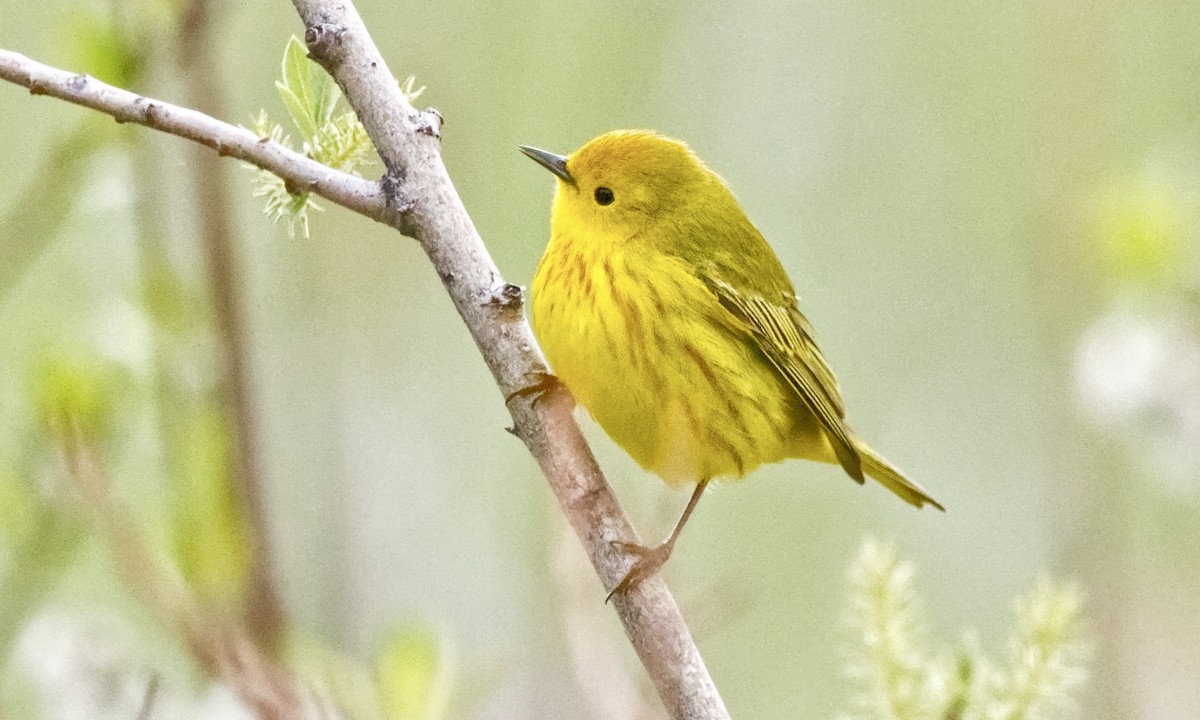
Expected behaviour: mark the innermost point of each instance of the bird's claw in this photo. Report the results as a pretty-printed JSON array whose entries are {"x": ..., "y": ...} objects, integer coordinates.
[
  {"x": 649, "y": 560},
  {"x": 544, "y": 383}
]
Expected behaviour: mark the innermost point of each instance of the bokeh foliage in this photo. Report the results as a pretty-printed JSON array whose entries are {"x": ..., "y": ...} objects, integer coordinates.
[
  {"x": 897, "y": 676},
  {"x": 990, "y": 214}
]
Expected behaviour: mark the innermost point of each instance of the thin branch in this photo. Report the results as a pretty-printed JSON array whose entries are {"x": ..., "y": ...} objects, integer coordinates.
[
  {"x": 221, "y": 647},
  {"x": 302, "y": 173},
  {"x": 407, "y": 141},
  {"x": 263, "y": 609},
  {"x": 419, "y": 200},
  {"x": 149, "y": 697}
]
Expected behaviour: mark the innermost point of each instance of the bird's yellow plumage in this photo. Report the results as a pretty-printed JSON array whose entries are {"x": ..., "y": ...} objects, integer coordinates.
[
  {"x": 648, "y": 350},
  {"x": 667, "y": 315}
]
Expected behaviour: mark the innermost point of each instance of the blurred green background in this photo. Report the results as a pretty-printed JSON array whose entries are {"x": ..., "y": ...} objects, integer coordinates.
[{"x": 991, "y": 214}]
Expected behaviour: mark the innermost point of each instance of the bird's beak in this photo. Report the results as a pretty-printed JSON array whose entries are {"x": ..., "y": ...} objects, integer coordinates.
[{"x": 556, "y": 164}]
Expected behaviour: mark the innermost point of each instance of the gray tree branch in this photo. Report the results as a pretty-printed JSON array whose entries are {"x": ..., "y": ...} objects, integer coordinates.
[
  {"x": 300, "y": 172},
  {"x": 406, "y": 140},
  {"x": 418, "y": 198}
]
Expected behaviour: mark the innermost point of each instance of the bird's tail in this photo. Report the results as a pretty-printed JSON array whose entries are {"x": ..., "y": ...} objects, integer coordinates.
[{"x": 892, "y": 479}]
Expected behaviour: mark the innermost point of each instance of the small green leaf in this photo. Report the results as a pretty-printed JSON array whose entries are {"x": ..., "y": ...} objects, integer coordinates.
[
  {"x": 308, "y": 92},
  {"x": 325, "y": 94},
  {"x": 297, "y": 110},
  {"x": 412, "y": 675},
  {"x": 311, "y": 98},
  {"x": 295, "y": 89},
  {"x": 35, "y": 564},
  {"x": 295, "y": 69}
]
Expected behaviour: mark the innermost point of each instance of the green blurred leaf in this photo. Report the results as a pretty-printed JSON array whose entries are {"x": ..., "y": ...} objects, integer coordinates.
[
  {"x": 39, "y": 540},
  {"x": 890, "y": 667},
  {"x": 1142, "y": 232},
  {"x": 408, "y": 87},
  {"x": 98, "y": 45},
  {"x": 78, "y": 389},
  {"x": 294, "y": 73},
  {"x": 36, "y": 215},
  {"x": 166, "y": 299},
  {"x": 1047, "y": 656},
  {"x": 207, "y": 530},
  {"x": 896, "y": 677},
  {"x": 412, "y": 675},
  {"x": 296, "y": 110}
]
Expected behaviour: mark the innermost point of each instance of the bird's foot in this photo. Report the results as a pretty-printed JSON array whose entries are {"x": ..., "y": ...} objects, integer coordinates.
[
  {"x": 544, "y": 383},
  {"x": 648, "y": 562}
]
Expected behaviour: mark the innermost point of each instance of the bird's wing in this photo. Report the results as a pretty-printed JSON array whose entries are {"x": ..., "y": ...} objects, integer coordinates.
[{"x": 785, "y": 336}]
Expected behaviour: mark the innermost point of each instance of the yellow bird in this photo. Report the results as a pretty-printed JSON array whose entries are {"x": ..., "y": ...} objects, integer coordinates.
[{"x": 667, "y": 315}]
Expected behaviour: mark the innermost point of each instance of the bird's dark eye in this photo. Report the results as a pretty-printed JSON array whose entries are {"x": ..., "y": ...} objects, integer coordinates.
[{"x": 603, "y": 196}]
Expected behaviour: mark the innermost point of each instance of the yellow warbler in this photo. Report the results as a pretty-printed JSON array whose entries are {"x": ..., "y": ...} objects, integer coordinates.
[{"x": 666, "y": 314}]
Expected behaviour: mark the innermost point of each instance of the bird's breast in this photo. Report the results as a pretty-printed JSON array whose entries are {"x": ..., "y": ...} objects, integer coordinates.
[{"x": 646, "y": 348}]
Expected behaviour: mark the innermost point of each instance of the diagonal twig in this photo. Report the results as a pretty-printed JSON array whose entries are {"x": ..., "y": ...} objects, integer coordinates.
[
  {"x": 221, "y": 646},
  {"x": 418, "y": 198},
  {"x": 262, "y": 609},
  {"x": 407, "y": 141},
  {"x": 300, "y": 172}
]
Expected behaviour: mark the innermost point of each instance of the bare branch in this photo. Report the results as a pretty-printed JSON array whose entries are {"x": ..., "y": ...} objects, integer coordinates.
[
  {"x": 263, "y": 609},
  {"x": 220, "y": 645},
  {"x": 407, "y": 140},
  {"x": 302, "y": 173},
  {"x": 148, "y": 698},
  {"x": 419, "y": 200}
]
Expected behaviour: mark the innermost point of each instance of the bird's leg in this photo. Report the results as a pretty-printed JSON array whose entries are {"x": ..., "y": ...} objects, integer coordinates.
[{"x": 650, "y": 559}]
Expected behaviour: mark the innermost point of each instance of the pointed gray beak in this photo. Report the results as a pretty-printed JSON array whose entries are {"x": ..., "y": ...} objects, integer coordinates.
[{"x": 556, "y": 164}]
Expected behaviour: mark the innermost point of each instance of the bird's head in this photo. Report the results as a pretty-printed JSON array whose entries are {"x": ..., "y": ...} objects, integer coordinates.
[{"x": 623, "y": 181}]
